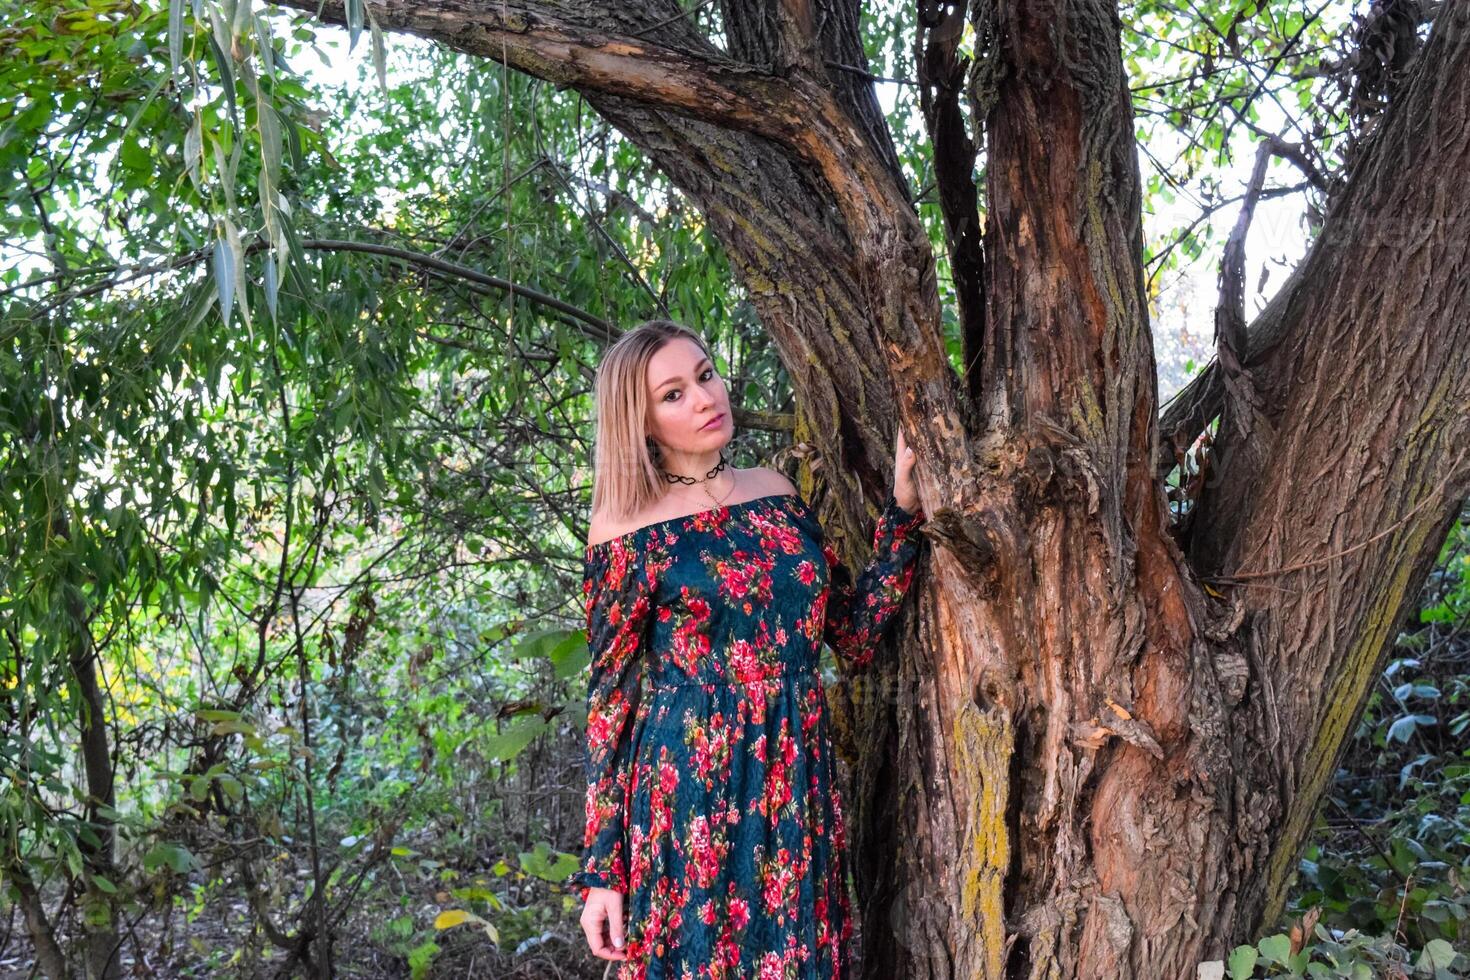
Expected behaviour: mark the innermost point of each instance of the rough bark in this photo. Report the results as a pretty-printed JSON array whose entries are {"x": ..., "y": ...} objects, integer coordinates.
[
  {"x": 1101, "y": 770},
  {"x": 1369, "y": 399}
]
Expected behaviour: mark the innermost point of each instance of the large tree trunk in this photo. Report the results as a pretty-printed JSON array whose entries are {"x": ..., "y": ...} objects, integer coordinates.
[{"x": 1102, "y": 770}]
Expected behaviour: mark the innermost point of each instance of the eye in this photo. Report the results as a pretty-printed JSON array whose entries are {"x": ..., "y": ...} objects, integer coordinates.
[{"x": 704, "y": 375}]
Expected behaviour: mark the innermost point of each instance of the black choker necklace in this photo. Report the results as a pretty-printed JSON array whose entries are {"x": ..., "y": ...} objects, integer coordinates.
[{"x": 676, "y": 478}]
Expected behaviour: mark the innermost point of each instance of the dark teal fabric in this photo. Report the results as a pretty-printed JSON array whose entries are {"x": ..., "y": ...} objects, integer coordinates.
[{"x": 712, "y": 800}]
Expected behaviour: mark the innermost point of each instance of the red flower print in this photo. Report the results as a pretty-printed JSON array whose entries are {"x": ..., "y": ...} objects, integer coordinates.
[
  {"x": 806, "y": 572},
  {"x": 705, "y": 853},
  {"x": 739, "y": 913}
]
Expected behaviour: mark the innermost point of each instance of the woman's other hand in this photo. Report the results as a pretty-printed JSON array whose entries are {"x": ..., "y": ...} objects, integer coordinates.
[
  {"x": 602, "y": 921},
  {"x": 905, "y": 493}
]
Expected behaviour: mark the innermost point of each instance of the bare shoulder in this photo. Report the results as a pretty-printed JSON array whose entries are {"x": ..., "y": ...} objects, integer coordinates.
[
  {"x": 600, "y": 529},
  {"x": 767, "y": 481},
  {"x": 758, "y": 481}
]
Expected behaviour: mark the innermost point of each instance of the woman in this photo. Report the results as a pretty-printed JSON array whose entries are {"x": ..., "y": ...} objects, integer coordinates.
[{"x": 713, "y": 815}]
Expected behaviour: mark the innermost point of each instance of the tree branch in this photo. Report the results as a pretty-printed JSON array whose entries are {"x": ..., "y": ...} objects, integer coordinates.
[
  {"x": 1348, "y": 489},
  {"x": 120, "y": 275},
  {"x": 570, "y": 44},
  {"x": 586, "y": 46},
  {"x": 1243, "y": 401},
  {"x": 942, "y": 74}
]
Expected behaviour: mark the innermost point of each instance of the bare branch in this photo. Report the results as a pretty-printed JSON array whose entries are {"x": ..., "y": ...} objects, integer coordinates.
[{"x": 1242, "y": 401}]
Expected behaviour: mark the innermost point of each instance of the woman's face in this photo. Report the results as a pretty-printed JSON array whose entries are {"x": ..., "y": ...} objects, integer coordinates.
[{"x": 689, "y": 409}]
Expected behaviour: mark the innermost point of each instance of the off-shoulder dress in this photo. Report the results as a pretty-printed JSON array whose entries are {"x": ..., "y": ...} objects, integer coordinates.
[{"x": 712, "y": 800}]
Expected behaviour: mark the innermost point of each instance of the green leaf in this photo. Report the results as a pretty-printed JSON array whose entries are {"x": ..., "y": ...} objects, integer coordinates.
[
  {"x": 1438, "y": 955},
  {"x": 224, "y": 274},
  {"x": 270, "y": 143},
  {"x": 175, "y": 34},
  {"x": 175, "y": 856},
  {"x": 421, "y": 958},
  {"x": 226, "y": 73},
  {"x": 547, "y": 864},
  {"x": 216, "y": 714},
  {"x": 1275, "y": 949},
  {"x": 380, "y": 55},
  {"x": 1403, "y": 729},
  {"x": 237, "y": 251},
  {"x": 1242, "y": 962},
  {"x": 570, "y": 656},
  {"x": 266, "y": 48},
  {"x": 242, "y": 18},
  {"x": 514, "y": 737},
  {"x": 354, "y": 23},
  {"x": 272, "y": 283},
  {"x": 194, "y": 152},
  {"x": 544, "y": 644}
]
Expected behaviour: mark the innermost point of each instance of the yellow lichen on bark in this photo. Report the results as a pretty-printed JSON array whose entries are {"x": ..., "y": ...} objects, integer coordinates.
[{"x": 984, "y": 741}]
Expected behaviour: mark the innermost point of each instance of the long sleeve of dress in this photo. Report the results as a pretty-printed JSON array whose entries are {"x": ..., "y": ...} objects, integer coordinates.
[
  {"x": 618, "y": 598},
  {"x": 858, "y": 611}
]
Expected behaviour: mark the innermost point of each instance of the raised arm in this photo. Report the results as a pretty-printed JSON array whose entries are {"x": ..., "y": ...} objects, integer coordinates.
[
  {"x": 858, "y": 611},
  {"x": 618, "y": 596}
]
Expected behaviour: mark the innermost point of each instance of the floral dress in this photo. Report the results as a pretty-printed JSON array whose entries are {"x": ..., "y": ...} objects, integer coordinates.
[{"x": 712, "y": 800}]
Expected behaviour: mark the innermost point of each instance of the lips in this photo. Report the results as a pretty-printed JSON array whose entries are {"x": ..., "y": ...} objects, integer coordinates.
[{"x": 714, "y": 421}]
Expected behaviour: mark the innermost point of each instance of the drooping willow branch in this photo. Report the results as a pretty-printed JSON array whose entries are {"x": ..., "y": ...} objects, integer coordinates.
[
  {"x": 591, "y": 325},
  {"x": 121, "y": 275}
]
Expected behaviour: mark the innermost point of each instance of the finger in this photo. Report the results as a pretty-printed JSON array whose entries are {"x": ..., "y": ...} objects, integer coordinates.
[
  {"x": 592, "y": 928},
  {"x": 607, "y": 913},
  {"x": 906, "y": 460},
  {"x": 610, "y": 951},
  {"x": 615, "y": 926}
]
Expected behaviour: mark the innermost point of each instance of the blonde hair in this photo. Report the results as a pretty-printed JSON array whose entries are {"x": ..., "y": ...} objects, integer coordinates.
[{"x": 625, "y": 473}]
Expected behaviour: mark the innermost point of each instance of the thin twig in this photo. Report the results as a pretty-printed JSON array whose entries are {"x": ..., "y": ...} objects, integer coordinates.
[{"x": 677, "y": 17}]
